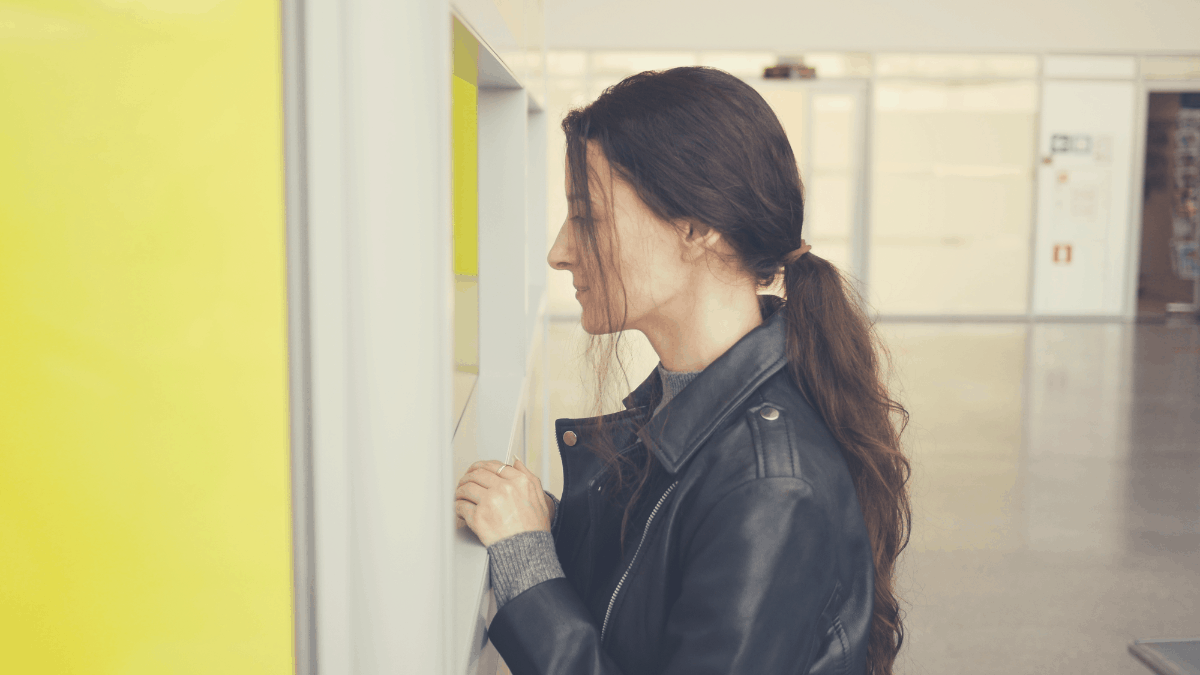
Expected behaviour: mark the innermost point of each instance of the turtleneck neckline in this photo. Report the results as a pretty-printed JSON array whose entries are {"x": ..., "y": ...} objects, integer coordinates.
[{"x": 673, "y": 382}]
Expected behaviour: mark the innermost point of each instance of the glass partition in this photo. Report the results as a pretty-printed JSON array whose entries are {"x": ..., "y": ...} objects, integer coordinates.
[
  {"x": 831, "y": 111},
  {"x": 945, "y": 228},
  {"x": 951, "y": 203},
  {"x": 825, "y": 123}
]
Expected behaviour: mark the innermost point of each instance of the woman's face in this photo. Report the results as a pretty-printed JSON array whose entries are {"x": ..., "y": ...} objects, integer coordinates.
[{"x": 649, "y": 260}]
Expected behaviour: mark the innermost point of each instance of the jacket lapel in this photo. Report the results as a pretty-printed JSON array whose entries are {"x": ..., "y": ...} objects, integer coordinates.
[
  {"x": 682, "y": 427},
  {"x": 691, "y": 417}
]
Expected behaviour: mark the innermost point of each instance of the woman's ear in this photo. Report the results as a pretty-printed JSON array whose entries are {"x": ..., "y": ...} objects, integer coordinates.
[{"x": 699, "y": 239}]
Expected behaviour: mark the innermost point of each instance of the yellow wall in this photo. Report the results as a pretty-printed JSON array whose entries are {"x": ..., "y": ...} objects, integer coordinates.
[
  {"x": 144, "y": 493},
  {"x": 464, "y": 125}
]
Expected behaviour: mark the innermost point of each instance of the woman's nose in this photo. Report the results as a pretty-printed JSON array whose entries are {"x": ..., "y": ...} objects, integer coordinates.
[{"x": 557, "y": 257}]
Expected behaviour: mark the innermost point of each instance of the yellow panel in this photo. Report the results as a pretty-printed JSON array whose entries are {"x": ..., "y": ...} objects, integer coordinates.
[
  {"x": 465, "y": 139},
  {"x": 464, "y": 123},
  {"x": 144, "y": 492},
  {"x": 466, "y": 53},
  {"x": 465, "y": 161}
]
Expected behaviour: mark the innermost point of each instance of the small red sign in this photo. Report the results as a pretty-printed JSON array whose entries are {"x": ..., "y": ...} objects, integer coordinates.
[{"x": 1065, "y": 251}]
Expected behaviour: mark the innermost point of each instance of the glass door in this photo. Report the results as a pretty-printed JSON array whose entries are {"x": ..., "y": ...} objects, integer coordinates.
[{"x": 951, "y": 195}]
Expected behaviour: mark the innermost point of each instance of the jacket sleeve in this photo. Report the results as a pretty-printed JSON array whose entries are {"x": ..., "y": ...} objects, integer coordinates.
[{"x": 756, "y": 578}]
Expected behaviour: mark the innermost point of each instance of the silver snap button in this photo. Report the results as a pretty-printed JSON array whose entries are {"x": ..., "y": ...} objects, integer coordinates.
[
  {"x": 769, "y": 413},
  {"x": 569, "y": 438}
]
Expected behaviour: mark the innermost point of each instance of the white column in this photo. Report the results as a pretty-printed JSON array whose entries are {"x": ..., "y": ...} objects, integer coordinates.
[{"x": 378, "y": 140}]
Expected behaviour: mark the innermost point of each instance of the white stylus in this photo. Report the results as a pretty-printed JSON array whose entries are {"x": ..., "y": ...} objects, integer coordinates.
[{"x": 510, "y": 452}]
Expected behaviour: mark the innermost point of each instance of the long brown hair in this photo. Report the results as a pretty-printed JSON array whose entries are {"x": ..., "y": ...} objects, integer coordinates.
[{"x": 699, "y": 145}]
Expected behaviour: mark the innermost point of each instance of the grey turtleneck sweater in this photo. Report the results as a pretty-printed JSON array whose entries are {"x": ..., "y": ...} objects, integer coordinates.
[{"x": 527, "y": 559}]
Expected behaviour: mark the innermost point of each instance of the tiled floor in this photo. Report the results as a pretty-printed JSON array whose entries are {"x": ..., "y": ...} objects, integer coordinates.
[{"x": 1056, "y": 488}]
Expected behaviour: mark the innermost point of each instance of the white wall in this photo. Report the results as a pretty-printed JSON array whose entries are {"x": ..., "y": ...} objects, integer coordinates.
[{"x": 935, "y": 25}]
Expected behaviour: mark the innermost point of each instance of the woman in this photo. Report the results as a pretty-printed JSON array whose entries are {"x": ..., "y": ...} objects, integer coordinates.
[{"x": 757, "y": 468}]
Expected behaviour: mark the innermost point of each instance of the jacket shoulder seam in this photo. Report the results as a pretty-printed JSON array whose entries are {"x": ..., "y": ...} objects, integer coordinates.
[{"x": 764, "y": 467}]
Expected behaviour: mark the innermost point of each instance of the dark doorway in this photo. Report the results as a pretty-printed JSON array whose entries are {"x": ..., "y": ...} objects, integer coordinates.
[{"x": 1169, "y": 202}]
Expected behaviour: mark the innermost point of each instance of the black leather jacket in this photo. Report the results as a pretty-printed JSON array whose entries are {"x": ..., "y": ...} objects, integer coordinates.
[{"x": 748, "y": 555}]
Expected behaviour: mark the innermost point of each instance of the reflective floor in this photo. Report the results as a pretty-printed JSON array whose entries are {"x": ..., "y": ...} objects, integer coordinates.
[{"x": 1055, "y": 488}]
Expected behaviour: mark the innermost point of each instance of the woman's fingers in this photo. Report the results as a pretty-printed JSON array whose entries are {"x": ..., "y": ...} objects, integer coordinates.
[
  {"x": 492, "y": 465},
  {"x": 470, "y": 491},
  {"x": 464, "y": 510},
  {"x": 485, "y": 473},
  {"x": 499, "y": 506},
  {"x": 481, "y": 476},
  {"x": 467, "y": 473},
  {"x": 520, "y": 466}
]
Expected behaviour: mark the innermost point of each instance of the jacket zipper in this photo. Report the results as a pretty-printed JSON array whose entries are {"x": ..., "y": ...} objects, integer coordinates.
[{"x": 620, "y": 583}]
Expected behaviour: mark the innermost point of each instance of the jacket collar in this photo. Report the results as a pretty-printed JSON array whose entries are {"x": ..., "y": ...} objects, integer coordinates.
[{"x": 695, "y": 413}]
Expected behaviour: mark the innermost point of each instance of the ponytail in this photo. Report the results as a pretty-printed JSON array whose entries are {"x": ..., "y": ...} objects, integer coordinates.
[{"x": 832, "y": 357}]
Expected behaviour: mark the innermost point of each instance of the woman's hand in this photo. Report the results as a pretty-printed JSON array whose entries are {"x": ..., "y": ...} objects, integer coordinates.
[{"x": 497, "y": 507}]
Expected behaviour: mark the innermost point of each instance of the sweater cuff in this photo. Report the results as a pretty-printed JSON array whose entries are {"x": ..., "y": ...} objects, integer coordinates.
[{"x": 521, "y": 562}]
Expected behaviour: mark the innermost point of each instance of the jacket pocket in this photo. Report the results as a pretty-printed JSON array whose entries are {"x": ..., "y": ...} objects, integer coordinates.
[{"x": 832, "y": 654}]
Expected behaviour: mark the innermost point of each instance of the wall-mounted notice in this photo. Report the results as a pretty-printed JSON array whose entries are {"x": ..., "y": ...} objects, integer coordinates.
[{"x": 1083, "y": 198}]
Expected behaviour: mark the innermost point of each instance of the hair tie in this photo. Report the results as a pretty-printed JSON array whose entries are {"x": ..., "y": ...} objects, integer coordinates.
[{"x": 795, "y": 255}]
